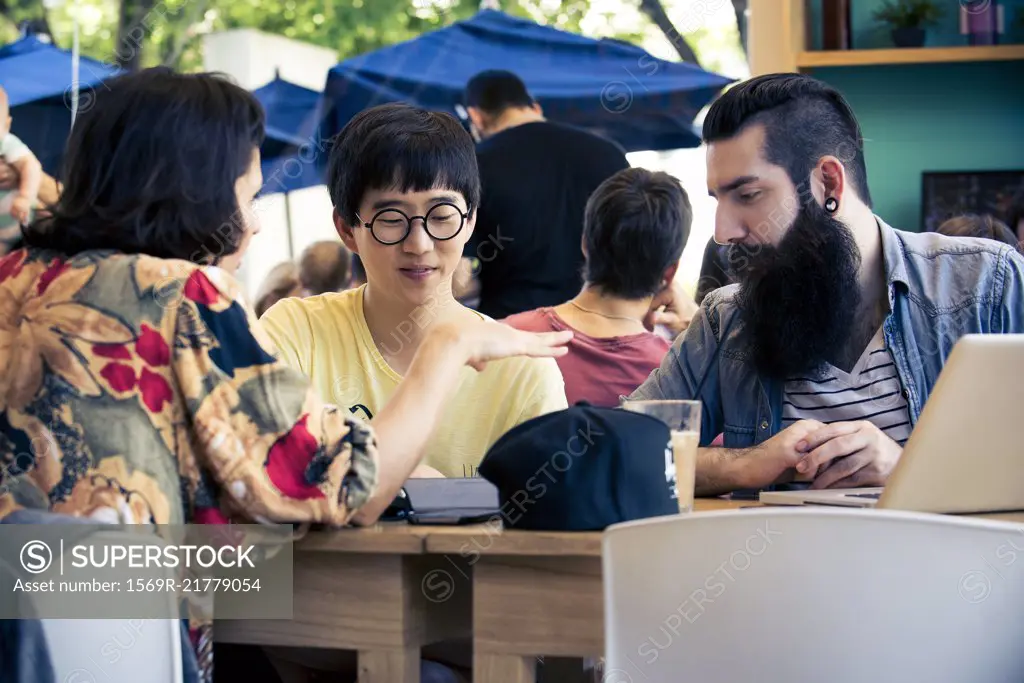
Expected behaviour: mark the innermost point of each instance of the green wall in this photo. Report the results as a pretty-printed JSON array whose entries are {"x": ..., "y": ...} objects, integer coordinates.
[{"x": 932, "y": 117}]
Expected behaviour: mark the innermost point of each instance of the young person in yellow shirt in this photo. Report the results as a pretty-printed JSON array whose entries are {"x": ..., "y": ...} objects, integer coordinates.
[{"x": 405, "y": 189}]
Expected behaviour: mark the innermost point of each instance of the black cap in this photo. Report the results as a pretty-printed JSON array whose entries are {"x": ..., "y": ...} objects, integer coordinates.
[{"x": 583, "y": 469}]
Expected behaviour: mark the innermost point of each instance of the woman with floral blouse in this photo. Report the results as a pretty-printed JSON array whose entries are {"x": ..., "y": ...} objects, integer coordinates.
[{"x": 135, "y": 383}]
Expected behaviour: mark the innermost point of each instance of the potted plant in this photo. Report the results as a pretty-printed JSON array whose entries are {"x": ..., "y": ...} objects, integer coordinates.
[{"x": 908, "y": 19}]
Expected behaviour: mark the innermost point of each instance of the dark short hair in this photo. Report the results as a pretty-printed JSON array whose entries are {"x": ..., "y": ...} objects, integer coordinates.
[
  {"x": 403, "y": 147},
  {"x": 973, "y": 225},
  {"x": 635, "y": 226},
  {"x": 151, "y": 168},
  {"x": 324, "y": 267},
  {"x": 493, "y": 91},
  {"x": 804, "y": 120}
]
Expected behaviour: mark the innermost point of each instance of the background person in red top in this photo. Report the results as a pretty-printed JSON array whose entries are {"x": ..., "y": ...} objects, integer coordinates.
[{"x": 635, "y": 227}]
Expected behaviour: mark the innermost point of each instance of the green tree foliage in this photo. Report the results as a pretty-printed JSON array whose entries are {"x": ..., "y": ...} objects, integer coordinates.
[
  {"x": 170, "y": 31},
  {"x": 141, "y": 33}
]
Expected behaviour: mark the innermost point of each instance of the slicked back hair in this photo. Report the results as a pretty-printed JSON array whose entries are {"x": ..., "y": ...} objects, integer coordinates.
[{"x": 804, "y": 120}]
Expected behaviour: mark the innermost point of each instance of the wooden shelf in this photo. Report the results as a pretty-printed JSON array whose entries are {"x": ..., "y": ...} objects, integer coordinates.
[{"x": 922, "y": 55}]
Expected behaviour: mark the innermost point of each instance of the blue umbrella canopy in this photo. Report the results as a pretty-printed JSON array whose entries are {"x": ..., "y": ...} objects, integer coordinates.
[
  {"x": 607, "y": 86},
  {"x": 39, "y": 80},
  {"x": 292, "y": 149},
  {"x": 32, "y": 69}
]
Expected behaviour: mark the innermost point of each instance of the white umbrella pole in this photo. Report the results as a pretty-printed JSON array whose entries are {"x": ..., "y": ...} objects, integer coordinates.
[
  {"x": 288, "y": 225},
  {"x": 74, "y": 69}
]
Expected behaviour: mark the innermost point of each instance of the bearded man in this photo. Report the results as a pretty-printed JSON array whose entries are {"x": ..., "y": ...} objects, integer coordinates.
[{"x": 815, "y": 365}]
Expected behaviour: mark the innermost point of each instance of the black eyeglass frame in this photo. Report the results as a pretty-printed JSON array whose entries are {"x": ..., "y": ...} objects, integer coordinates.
[{"x": 463, "y": 216}]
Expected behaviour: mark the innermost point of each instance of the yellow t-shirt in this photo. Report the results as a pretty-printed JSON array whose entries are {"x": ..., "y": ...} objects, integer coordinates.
[{"x": 326, "y": 338}]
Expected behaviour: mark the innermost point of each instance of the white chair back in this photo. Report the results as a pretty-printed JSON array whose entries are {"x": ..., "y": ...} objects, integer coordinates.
[
  {"x": 111, "y": 650},
  {"x": 115, "y": 650},
  {"x": 808, "y": 595}
]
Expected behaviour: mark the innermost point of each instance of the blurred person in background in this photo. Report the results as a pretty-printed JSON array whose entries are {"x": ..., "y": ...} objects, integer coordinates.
[
  {"x": 635, "y": 227},
  {"x": 49, "y": 190},
  {"x": 325, "y": 266},
  {"x": 983, "y": 226},
  {"x": 17, "y": 202},
  {"x": 536, "y": 177},
  {"x": 281, "y": 282}
]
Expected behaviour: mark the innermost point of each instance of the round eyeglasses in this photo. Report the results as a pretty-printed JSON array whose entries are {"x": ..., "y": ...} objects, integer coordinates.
[{"x": 391, "y": 226}]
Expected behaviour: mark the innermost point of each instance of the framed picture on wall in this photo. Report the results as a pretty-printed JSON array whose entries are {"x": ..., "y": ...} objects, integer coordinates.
[{"x": 945, "y": 194}]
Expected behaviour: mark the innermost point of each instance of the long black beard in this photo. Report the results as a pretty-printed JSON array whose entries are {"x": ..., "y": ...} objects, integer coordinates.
[{"x": 798, "y": 301}]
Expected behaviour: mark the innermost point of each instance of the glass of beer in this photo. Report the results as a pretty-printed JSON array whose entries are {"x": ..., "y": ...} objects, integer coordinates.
[{"x": 683, "y": 420}]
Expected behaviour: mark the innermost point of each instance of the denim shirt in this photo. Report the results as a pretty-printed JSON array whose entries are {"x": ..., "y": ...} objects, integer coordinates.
[{"x": 940, "y": 288}]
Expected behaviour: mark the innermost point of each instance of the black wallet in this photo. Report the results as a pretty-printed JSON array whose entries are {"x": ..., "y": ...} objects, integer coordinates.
[{"x": 445, "y": 501}]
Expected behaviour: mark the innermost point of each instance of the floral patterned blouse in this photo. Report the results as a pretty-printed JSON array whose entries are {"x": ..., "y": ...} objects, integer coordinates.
[{"x": 141, "y": 390}]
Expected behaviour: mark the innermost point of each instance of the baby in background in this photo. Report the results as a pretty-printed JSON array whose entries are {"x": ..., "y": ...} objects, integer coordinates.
[{"x": 16, "y": 205}]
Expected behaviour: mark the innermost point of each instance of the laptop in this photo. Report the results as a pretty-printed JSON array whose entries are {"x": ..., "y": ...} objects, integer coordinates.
[{"x": 966, "y": 453}]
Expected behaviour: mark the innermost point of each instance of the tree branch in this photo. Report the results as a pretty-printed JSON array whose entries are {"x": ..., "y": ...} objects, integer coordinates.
[
  {"x": 657, "y": 14},
  {"x": 182, "y": 38},
  {"x": 131, "y": 33}
]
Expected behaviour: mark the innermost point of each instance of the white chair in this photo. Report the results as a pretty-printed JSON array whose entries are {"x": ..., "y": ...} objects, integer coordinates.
[
  {"x": 810, "y": 595},
  {"x": 115, "y": 650}
]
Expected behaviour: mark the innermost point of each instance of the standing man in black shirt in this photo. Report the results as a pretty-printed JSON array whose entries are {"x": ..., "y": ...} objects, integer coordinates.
[{"x": 536, "y": 177}]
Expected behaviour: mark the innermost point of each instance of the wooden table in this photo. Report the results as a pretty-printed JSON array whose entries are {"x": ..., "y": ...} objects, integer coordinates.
[
  {"x": 388, "y": 590},
  {"x": 534, "y": 594},
  {"x": 371, "y": 590}
]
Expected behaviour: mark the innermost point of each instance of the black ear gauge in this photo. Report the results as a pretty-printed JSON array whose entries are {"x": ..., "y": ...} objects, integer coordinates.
[{"x": 831, "y": 205}]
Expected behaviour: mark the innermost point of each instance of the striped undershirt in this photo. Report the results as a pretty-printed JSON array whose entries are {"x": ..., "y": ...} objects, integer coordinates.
[{"x": 870, "y": 391}]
